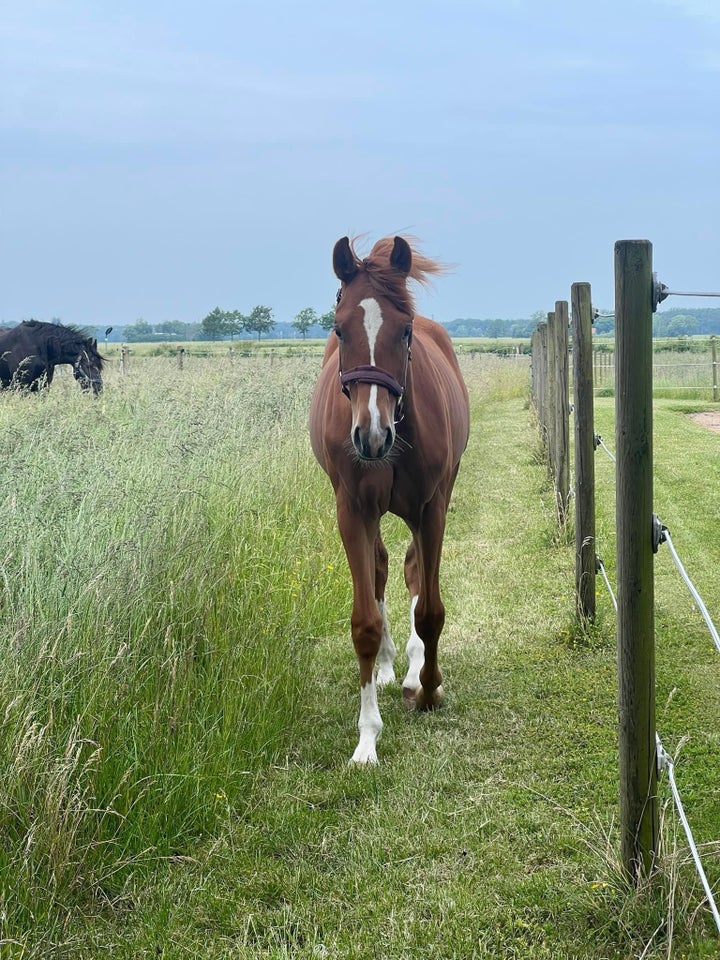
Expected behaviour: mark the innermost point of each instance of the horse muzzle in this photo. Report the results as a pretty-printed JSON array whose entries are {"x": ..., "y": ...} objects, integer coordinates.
[
  {"x": 373, "y": 444},
  {"x": 374, "y": 415},
  {"x": 90, "y": 383}
]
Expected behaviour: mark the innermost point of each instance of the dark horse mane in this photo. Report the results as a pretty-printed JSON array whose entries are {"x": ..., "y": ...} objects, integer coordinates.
[
  {"x": 65, "y": 331},
  {"x": 385, "y": 279}
]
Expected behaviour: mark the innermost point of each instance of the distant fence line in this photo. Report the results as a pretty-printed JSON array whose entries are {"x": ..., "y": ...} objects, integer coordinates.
[{"x": 699, "y": 375}]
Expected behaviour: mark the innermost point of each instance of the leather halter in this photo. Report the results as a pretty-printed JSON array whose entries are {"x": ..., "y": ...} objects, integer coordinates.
[
  {"x": 367, "y": 373},
  {"x": 370, "y": 374}
]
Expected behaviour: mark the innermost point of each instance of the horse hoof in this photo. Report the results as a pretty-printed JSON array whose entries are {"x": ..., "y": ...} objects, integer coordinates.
[
  {"x": 425, "y": 701},
  {"x": 409, "y": 697}
]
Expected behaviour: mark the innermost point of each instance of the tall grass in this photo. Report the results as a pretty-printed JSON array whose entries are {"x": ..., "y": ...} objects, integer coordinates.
[
  {"x": 178, "y": 692},
  {"x": 158, "y": 606}
]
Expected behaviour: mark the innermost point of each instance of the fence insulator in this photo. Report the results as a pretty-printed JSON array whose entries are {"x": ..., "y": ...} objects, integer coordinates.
[{"x": 660, "y": 292}]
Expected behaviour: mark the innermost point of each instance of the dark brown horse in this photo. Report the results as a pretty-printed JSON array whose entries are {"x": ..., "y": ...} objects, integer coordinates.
[
  {"x": 30, "y": 352},
  {"x": 389, "y": 422}
]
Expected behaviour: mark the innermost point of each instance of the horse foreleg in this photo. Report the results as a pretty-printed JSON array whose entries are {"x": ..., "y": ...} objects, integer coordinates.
[
  {"x": 386, "y": 654},
  {"x": 415, "y": 649},
  {"x": 366, "y": 626},
  {"x": 423, "y": 683}
]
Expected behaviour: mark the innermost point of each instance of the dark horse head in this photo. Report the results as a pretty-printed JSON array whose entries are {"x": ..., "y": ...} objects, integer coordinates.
[{"x": 30, "y": 352}]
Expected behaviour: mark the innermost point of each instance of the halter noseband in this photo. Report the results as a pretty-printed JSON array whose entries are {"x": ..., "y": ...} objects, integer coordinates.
[
  {"x": 370, "y": 374},
  {"x": 366, "y": 373}
]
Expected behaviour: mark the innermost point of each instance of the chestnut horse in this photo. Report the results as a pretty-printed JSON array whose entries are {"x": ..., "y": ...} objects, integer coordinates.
[{"x": 389, "y": 422}]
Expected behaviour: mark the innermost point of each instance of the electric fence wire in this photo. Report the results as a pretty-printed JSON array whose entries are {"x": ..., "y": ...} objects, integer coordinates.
[
  {"x": 695, "y": 595},
  {"x": 601, "y": 568},
  {"x": 599, "y": 442},
  {"x": 665, "y": 762},
  {"x": 599, "y": 565}
]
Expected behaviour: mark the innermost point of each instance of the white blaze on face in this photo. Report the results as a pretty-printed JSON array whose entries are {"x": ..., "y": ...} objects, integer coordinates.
[{"x": 372, "y": 321}]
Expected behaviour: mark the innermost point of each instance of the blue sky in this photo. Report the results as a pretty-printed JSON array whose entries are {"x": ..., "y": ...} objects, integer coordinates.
[{"x": 160, "y": 158}]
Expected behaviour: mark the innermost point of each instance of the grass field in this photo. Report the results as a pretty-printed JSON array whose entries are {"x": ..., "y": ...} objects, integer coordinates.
[{"x": 179, "y": 690}]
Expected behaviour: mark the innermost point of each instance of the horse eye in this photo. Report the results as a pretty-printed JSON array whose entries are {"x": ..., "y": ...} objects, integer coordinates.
[
  {"x": 337, "y": 332},
  {"x": 407, "y": 332}
]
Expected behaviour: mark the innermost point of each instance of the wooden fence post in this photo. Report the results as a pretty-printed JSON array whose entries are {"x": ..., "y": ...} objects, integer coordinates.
[
  {"x": 713, "y": 354},
  {"x": 123, "y": 359},
  {"x": 634, "y": 520},
  {"x": 542, "y": 381},
  {"x": 562, "y": 411},
  {"x": 583, "y": 415},
  {"x": 180, "y": 357},
  {"x": 551, "y": 393}
]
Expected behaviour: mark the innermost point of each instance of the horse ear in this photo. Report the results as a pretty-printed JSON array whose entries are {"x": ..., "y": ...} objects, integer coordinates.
[
  {"x": 344, "y": 261},
  {"x": 401, "y": 256}
]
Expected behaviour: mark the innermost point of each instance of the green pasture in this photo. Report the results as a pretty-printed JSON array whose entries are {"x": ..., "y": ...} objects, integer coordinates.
[
  {"x": 179, "y": 694},
  {"x": 275, "y": 349}
]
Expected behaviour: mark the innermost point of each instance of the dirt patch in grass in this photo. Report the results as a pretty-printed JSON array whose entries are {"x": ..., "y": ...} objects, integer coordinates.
[{"x": 708, "y": 418}]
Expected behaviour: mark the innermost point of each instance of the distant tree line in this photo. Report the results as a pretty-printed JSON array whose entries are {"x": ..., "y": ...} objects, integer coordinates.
[
  {"x": 677, "y": 322},
  {"x": 221, "y": 324},
  {"x": 232, "y": 324}
]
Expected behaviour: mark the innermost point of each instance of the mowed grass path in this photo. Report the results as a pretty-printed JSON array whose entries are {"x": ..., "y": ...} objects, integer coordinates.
[{"x": 488, "y": 828}]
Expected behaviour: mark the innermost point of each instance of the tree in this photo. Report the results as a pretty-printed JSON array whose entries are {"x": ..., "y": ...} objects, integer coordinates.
[
  {"x": 173, "y": 329},
  {"x": 260, "y": 320},
  {"x": 327, "y": 320},
  {"x": 304, "y": 320},
  {"x": 237, "y": 323},
  {"x": 682, "y": 325},
  {"x": 140, "y": 330},
  {"x": 216, "y": 324}
]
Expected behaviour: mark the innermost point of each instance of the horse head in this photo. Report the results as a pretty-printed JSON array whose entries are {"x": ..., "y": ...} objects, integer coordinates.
[
  {"x": 373, "y": 323},
  {"x": 87, "y": 367}
]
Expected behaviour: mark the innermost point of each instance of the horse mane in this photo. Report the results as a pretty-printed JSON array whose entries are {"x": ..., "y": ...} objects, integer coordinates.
[
  {"x": 66, "y": 333},
  {"x": 386, "y": 280},
  {"x": 58, "y": 329}
]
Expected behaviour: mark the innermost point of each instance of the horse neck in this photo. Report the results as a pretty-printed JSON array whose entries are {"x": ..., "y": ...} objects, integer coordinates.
[{"x": 70, "y": 349}]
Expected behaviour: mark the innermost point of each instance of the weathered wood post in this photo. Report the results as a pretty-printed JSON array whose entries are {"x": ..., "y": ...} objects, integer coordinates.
[
  {"x": 713, "y": 354},
  {"x": 562, "y": 411},
  {"x": 542, "y": 381},
  {"x": 180, "y": 357},
  {"x": 551, "y": 393},
  {"x": 534, "y": 348},
  {"x": 123, "y": 359},
  {"x": 634, "y": 519},
  {"x": 583, "y": 415}
]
